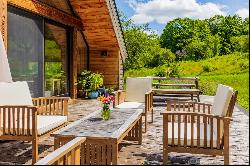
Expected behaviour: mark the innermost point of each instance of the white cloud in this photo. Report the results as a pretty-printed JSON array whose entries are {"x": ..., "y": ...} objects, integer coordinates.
[
  {"x": 163, "y": 11},
  {"x": 244, "y": 13}
]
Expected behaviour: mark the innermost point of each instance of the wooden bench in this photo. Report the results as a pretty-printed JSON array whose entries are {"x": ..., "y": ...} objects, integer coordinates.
[{"x": 179, "y": 89}]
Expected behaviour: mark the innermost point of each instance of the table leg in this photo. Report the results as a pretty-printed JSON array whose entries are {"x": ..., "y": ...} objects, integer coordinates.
[
  {"x": 140, "y": 131},
  {"x": 115, "y": 154},
  {"x": 56, "y": 143}
]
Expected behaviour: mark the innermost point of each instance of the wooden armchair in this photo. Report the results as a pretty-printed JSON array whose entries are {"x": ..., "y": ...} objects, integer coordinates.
[
  {"x": 68, "y": 154},
  {"x": 199, "y": 128},
  {"x": 138, "y": 94},
  {"x": 26, "y": 119}
]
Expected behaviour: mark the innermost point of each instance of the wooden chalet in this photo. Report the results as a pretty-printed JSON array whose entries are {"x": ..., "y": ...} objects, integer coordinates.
[{"x": 49, "y": 42}]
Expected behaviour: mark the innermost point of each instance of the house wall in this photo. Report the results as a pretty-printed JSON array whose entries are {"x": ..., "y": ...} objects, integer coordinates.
[
  {"x": 108, "y": 66},
  {"x": 96, "y": 24}
]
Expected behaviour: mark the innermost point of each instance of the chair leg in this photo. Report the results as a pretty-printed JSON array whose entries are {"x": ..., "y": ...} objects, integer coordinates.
[
  {"x": 146, "y": 123},
  {"x": 226, "y": 159},
  {"x": 152, "y": 115},
  {"x": 165, "y": 156},
  {"x": 198, "y": 97},
  {"x": 34, "y": 150}
]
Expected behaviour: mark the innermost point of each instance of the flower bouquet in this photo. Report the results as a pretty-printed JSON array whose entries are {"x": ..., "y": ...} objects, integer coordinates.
[{"x": 106, "y": 106}]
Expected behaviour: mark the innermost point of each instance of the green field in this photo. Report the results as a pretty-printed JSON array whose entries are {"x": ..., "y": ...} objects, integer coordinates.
[{"x": 231, "y": 70}]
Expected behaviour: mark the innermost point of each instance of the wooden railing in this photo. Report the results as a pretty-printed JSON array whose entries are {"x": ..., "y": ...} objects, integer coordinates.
[
  {"x": 69, "y": 154},
  {"x": 52, "y": 105}
]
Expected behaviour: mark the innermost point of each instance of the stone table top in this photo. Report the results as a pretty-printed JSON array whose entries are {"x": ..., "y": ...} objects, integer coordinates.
[{"x": 93, "y": 126}]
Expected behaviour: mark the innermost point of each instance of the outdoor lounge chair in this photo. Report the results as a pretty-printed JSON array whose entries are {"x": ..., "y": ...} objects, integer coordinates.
[
  {"x": 26, "y": 119},
  {"x": 138, "y": 94},
  {"x": 199, "y": 128}
]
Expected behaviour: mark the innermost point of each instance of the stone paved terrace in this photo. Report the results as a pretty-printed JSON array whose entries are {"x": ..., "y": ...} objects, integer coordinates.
[{"x": 150, "y": 152}]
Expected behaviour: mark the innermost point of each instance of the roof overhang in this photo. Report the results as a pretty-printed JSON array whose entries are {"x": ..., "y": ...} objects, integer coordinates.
[{"x": 102, "y": 27}]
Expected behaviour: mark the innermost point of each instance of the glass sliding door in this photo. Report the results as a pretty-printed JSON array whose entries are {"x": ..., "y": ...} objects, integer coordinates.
[
  {"x": 56, "y": 60},
  {"x": 38, "y": 53},
  {"x": 25, "y": 49},
  {"x": 82, "y": 53}
]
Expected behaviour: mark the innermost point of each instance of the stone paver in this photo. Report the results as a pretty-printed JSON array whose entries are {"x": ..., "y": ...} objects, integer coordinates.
[{"x": 150, "y": 152}]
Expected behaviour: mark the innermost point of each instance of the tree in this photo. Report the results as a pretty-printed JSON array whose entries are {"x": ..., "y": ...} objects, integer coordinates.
[
  {"x": 177, "y": 34},
  {"x": 240, "y": 43},
  {"x": 226, "y": 28},
  {"x": 143, "y": 46}
]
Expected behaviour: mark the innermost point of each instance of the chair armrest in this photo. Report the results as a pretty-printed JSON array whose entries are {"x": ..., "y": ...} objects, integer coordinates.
[
  {"x": 52, "y": 105},
  {"x": 189, "y": 106},
  {"x": 173, "y": 113},
  {"x": 72, "y": 147},
  {"x": 14, "y": 118},
  {"x": 149, "y": 100}
]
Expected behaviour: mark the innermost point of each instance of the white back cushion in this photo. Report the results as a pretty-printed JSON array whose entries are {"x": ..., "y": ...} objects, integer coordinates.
[
  {"x": 136, "y": 89},
  {"x": 15, "y": 93},
  {"x": 222, "y": 100}
]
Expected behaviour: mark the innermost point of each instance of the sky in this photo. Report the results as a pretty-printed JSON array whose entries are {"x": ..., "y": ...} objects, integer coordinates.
[{"x": 159, "y": 12}]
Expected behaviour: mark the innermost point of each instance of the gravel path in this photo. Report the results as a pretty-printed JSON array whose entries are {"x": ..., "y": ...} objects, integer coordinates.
[{"x": 150, "y": 152}]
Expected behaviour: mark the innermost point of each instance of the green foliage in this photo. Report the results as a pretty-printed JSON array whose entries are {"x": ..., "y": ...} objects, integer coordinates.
[
  {"x": 83, "y": 80},
  {"x": 52, "y": 51},
  {"x": 53, "y": 70},
  {"x": 199, "y": 39},
  {"x": 232, "y": 70},
  {"x": 143, "y": 46},
  {"x": 89, "y": 81},
  {"x": 240, "y": 82},
  {"x": 228, "y": 64},
  {"x": 96, "y": 81},
  {"x": 240, "y": 43}
]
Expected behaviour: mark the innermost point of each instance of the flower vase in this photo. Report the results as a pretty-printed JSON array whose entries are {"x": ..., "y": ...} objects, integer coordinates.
[{"x": 106, "y": 112}]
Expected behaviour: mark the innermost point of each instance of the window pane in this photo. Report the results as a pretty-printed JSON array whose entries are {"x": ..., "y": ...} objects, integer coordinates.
[
  {"x": 56, "y": 60},
  {"x": 81, "y": 53},
  {"x": 25, "y": 49}
]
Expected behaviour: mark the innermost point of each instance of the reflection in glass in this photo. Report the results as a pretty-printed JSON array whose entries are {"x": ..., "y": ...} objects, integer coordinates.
[
  {"x": 81, "y": 53},
  {"x": 25, "y": 49},
  {"x": 56, "y": 69}
]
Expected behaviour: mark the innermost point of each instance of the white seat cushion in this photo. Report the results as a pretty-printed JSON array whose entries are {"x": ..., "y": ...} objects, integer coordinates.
[
  {"x": 15, "y": 93},
  {"x": 44, "y": 124},
  {"x": 48, "y": 123},
  {"x": 222, "y": 100},
  {"x": 131, "y": 105},
  {"x": 189, "y": 135},
  {"x": 136, "y": 89}
]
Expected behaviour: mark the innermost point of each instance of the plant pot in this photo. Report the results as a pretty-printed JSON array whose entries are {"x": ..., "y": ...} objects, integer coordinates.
[
  {"x": 93, "y": 95},
  {"x": 48, "y": 93},
  {"x": 81, "y": 94}
]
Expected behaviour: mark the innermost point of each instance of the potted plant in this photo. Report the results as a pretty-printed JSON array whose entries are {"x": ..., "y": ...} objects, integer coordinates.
[
  {"x": 83, "y": 83},
  {"x": 96, "y": 81},
  {"x": 110, "y": 91}
]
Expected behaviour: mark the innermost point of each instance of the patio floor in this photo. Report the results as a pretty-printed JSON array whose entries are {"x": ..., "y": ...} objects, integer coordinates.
[{"x": 150, "y": 152}]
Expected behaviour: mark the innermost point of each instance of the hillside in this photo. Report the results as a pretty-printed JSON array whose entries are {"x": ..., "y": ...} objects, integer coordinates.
[{"x": 231, "y": 70}]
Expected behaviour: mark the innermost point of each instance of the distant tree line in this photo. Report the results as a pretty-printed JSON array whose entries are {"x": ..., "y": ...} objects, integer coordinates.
[{"x": 184, "y": 39}]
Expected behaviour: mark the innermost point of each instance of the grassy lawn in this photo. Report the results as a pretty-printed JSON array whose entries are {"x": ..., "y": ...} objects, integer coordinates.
[
  {"x": 231, "y": 70},
  {"x": 239, "y": 82}
]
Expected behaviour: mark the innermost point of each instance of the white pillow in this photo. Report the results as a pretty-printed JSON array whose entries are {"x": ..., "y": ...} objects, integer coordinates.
[
  {"x": 15, "y": 93},
  {"x": 136, "y": 89},
  {"x": 222, "y": 100}
]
